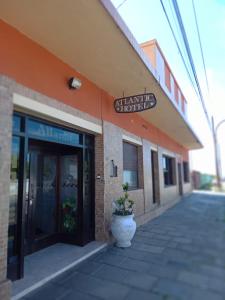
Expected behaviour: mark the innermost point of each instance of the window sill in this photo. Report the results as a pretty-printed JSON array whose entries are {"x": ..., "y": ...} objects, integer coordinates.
[
  {"x": 134, "y": 189},
  {"x": 169, "y": 185}
]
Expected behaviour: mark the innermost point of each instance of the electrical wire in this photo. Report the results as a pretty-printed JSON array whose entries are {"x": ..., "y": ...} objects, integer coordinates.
[
  {"x": 200, "y": 44},
  {"x": 175, "y": 22},
  {"x": 179, "y": 49},
  {"x": 187, "y": 47},
  {"x": 121, "y": 4},
  {"x": 188, "y": 50}
]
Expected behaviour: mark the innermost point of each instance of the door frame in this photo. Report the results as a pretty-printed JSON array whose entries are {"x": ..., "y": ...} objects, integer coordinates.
[
  {"x": 35, "y": 244},
  {"x": 81, "y": 145}
]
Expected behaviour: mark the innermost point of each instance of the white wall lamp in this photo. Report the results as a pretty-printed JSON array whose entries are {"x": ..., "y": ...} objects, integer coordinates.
[{"x": 74, "y": 83}]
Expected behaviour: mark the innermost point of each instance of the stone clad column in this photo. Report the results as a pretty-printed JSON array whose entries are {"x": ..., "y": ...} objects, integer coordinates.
[
  {"x": 113, "y": 150},
  {"x": 147, "y": 170},
  {"x": 6, "y": 109},
  {"x": 100, "y": 232}
]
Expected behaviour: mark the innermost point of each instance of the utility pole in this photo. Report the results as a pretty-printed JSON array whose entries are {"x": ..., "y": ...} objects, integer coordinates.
[{"x": 217, "y": 152}]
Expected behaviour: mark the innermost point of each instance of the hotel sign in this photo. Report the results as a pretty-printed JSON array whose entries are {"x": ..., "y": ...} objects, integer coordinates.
[{"x": 135, "y": 103}]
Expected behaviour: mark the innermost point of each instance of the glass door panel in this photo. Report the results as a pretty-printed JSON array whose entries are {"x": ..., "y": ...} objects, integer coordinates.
[
  {"x": 46, "y": 198},
  {"x": 41, "y": 200},
  {"x": 69, "y": 193}
]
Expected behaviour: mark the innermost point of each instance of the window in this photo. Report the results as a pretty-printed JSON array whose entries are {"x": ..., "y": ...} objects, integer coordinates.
[
  {"x": 186, "y": 171},
  {"x": 51, "y": 133},
  {"x": 130, "y": 165},
  {"x": 169, "y": 170}
]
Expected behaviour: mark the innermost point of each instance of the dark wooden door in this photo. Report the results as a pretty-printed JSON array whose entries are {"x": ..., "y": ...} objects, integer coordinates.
[
  {"x": 54, "y": 198},
  {"x": 180, "y": 181},
  {"x": 155, "y": 177},
  {"x": 42, "y": 201}
]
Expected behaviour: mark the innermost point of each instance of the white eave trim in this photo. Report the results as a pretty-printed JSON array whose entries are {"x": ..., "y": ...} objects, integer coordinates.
[
  {"x": 54, "y": 113},
  {"x": 132, "y": 140},
  {"x": 168, "y": 153}
]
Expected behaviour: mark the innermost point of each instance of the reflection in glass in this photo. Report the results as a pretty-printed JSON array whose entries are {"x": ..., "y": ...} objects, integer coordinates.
[
  {"x": 53, "y": 133},
  {"x": 16, "y": 123},
  {"x": 130, "y": 177},
  {"x": 45, "y": 208},
  {"x": 69, "y": 192},
  {"x": 12, "y": 233}
]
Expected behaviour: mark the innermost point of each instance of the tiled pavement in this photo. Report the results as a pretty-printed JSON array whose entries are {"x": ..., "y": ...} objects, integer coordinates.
[{"x": 179, "y": 255}]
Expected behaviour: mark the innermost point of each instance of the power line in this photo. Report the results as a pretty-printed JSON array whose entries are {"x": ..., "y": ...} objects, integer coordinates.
[
  {"x": 175, "y": 22},
  {"x": 179, "y": 49},
  {"x": 200, "y": 43},
  {"x": 188, "y": 50},
  {"x": 122, "y": 3},
  {"x": 187, "y": 47}
]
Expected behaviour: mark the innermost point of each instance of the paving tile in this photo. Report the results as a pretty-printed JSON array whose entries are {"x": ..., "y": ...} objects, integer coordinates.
[
  {"x": 163, "y": 271},
  {"x": 182, "y": 240},
  {"x": 75, "y": 295},
  {"x": 150, "y": 241},
  {"x": 135, "y": 265},
  {"x": 204, "y": 281},
  {"x": 49, "y": 292},
  {"x": 129, "y": 278},
  {"x": 212, "y": 271},
  {"x": 171, "y": 289},
  {"x": 163, "y": 237},
  {"x": 148, "y": 248},
  {"x": 166, "y": 287},
  {"x": 172, "y": 244},
  {"x": 179, "y": 256},
  {"x": 174, "y": 232},
  {"x": 110, "y": 258},
  {"x": 141, "y": 295},
  {"x": 97, "y": 287},
  {"x": 89, "y": 267}
]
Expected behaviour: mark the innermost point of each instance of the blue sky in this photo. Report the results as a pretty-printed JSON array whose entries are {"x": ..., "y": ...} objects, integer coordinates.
[{"x": 147, "y": 21}]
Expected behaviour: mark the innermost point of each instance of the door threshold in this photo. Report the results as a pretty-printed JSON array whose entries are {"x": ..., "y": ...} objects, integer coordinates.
[{"x": 44, "y": 265}]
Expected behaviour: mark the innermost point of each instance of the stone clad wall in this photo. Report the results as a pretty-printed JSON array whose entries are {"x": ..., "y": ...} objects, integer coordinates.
[
  {"x": 187, "y": 188},
  {"x": 145, "y": 209},
  {"x": 108, "y": 147},
  {"x": 113, "y": 150},
  {"x": 100, "y": 230},
  {"x": 5, "y": 161}
]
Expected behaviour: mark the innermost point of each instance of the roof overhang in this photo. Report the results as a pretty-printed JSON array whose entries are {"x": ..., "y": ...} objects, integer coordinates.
[{"x": 92, "y": 38}]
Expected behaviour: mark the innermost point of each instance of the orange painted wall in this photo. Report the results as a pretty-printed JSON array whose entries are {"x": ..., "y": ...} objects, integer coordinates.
[
  {"x": 150, "y": 50},
  {"x": 167, "y": 77},
  {"x": 183, "y": 104},
  {"x": 176, "y": 92},
  {"x": 34, "y": 67}
]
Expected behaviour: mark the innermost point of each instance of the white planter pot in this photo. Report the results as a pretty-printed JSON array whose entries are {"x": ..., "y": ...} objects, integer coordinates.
[{"x": 123, "y": 229}]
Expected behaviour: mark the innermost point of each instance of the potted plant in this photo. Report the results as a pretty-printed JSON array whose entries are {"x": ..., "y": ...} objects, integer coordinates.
[
  {"x": 69, "y": 209},
  {"x": 123, "y": 225}
]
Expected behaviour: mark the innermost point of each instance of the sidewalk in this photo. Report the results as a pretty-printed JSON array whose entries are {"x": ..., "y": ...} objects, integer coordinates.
[{"x": 180, "y": 255}]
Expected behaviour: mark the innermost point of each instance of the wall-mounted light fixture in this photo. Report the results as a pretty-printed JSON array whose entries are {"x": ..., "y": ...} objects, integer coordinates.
[
  {"x": 113, "y": 169},
  {"x": 74, "y": 83}
]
